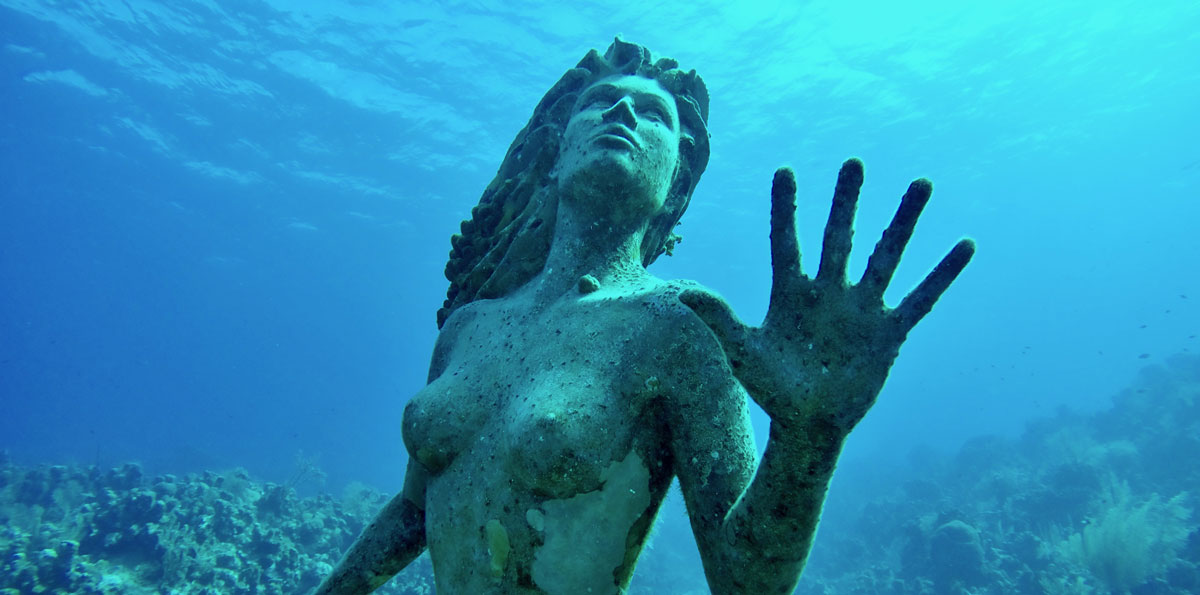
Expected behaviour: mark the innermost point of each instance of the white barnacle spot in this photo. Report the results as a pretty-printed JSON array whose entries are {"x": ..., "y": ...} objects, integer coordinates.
[{"x": 585, "y": 534}]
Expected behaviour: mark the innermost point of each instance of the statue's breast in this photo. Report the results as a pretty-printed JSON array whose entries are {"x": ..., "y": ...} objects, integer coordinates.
[
  {"x": 441, "y": 420},
  {"x": 567, "y": 426},
  {"x": 461, "y": 406},
  {"x": 553, "y": 427}
]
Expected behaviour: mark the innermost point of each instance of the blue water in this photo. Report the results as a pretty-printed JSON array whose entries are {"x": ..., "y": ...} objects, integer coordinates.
[{"x": 223, "y": 225}]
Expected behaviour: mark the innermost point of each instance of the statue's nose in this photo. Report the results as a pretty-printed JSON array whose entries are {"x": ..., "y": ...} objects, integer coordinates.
[{"x": 622, "y": 111}]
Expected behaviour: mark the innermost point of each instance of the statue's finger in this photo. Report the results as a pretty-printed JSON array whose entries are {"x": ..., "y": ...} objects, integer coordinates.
[
  {"x": 839, "y": 230},
  {"x": 882, "y": 264},
  {"x": 716, "y": 313},
  {"x": 917, "y": 304},
  {"x": 785, "y": 249}
]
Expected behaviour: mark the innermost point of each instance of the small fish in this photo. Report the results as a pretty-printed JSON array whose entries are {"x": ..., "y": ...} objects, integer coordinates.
[{"x": 1144, "y": 356}]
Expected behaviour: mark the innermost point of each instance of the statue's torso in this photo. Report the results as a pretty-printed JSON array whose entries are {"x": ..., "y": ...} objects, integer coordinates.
[{"x": 544, "y": 422}]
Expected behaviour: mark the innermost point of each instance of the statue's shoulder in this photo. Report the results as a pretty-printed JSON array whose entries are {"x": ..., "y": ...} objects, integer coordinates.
[
  {"x": 664, "y": 296},
  {"x": 668, "y": 291},
  {"x": 688, "y": 343},
  {"x": 461, "y": 319},
  {"x": 675, "y": 287}
]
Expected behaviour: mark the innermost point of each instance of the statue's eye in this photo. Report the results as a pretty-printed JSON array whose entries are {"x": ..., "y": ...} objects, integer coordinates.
[
  {"x": 656, "y": 113},
  {"x": 597, "y": 101}
]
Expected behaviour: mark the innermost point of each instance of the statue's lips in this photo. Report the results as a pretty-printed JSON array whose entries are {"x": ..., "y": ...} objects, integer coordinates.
[{"x": 618, "y": 135}]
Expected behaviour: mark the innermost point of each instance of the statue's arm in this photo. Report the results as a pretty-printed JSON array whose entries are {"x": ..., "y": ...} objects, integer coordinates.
[
  {"x": 395, "y": 538},
  {"x": 815, "y": 366},
  {"x": 754, "y": 521}
]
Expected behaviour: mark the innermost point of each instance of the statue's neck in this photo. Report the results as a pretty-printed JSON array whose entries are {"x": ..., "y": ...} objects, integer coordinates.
[{"x": 606, "y": 248}]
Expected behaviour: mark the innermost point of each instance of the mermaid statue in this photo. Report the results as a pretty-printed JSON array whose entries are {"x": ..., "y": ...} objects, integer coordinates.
[{"x": 569, "y": 386}]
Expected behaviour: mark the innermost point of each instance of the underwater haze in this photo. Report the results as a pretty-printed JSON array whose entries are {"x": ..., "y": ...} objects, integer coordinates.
[{"x": 223, "y": 228}]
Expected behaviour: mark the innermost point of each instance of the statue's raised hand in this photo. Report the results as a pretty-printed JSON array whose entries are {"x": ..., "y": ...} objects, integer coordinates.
[{"x": 823, "y": 352}]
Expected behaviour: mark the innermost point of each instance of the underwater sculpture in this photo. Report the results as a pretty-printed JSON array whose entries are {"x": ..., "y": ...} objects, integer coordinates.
[{"x": 568, "y": 386}]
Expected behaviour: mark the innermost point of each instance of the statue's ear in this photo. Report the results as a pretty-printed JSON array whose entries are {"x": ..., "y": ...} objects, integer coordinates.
[
  {"x": 660, "y": 235},
  {"x": 680, "y": 192}
]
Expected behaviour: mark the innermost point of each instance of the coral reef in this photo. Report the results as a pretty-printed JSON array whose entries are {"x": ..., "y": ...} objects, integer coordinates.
[
  {"x": 1078, "y": 504},
  {"x": 86, "y": 530}
]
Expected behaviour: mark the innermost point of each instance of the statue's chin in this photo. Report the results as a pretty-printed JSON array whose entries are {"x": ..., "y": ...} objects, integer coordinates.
[
  {"x": 605, "y": 179},
  {"x": 607, "y": 192},
  {"x": 597, "y": 161}
]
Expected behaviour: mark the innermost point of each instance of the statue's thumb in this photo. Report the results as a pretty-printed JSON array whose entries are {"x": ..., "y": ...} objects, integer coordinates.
[{"x": 718, "y": 316}]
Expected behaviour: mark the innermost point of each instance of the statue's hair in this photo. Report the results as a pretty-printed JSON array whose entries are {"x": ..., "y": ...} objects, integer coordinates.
[{"x": 506, "y": 241}]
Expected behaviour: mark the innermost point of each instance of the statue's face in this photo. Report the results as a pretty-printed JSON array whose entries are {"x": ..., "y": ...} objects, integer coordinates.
[{"x": 621, "y": 147}]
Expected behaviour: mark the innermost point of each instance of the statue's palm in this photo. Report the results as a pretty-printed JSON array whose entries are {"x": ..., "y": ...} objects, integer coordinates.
[{"x": 824, "y": 350}]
